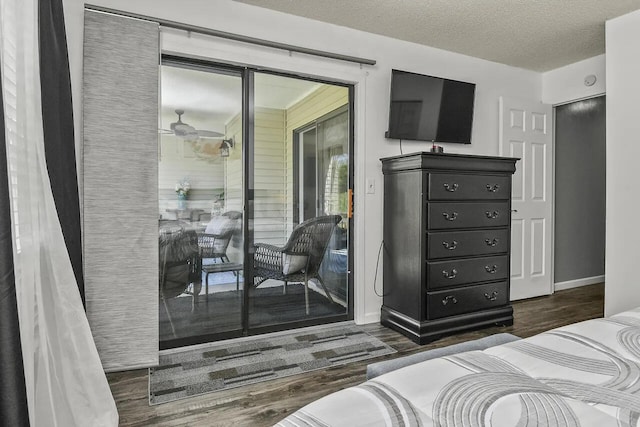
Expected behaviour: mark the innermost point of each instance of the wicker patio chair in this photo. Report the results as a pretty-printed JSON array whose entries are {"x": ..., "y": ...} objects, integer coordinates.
[
  {"x": 215, "y": 244},
  {"x": 179, "y": 271},
  {"x": 299, "y": 259}
]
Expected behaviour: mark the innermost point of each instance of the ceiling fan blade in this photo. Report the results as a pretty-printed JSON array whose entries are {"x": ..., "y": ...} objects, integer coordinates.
[
  {"x": 209, "y": 134},
  {"x": 183, "y": 130}
]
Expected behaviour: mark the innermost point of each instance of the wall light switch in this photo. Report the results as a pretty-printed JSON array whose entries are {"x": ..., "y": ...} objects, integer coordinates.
[{"x": 371, "y": 186}]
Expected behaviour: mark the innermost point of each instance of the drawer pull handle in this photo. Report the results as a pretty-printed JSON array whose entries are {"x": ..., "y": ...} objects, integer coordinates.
[
  {"x": 492, "y": 297},
  {"x": 450, "y": 216},
  {"x": 492, "y": 215},
  {"x": 491, "y": 243},
  {"x": 492, "y": 269},
  {"x": 492, "y": 188},
  {"x": 450, "y": 188},
  {"x": 449, "y": 298},
  {"x": 450, "y": 275},
  {"x": 450, "y": 246}
]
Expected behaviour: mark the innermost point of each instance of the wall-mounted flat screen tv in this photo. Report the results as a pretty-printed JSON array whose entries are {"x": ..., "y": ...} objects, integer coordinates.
[{"x": 427, "y": 108}]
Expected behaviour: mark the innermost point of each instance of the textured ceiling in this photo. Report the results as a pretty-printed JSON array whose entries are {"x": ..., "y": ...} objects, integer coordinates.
[{"x": 538, "y": 35}]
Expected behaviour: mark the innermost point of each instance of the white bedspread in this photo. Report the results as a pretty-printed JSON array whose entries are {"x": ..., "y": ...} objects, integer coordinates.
[{"x": 585, "y": 374}]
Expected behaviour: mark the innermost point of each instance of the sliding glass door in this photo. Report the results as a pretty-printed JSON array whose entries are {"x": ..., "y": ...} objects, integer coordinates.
[
  {"x": 321, "y": 186},
  {"x": 200, "y": 189},
  {"x": 300, "y": 213},
  {"x": 254, "y": 178}
]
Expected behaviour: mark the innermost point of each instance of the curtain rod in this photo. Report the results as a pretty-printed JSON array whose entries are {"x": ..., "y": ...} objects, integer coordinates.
[{"x": 232, "y": 36}]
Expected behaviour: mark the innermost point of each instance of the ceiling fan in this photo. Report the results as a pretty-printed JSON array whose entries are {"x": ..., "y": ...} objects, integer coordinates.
[{"x": 188, "y": 132}]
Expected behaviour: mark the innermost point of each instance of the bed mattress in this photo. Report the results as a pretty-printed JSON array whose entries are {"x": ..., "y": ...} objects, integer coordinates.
[{"x": 585, "y": 374}]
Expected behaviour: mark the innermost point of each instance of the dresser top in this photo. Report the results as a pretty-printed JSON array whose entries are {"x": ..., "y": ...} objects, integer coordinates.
[{"x": 448, "y": 162}]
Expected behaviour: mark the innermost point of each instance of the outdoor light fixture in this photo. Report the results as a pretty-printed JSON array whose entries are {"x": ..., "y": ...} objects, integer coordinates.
[{"x": 225, "y": 147}]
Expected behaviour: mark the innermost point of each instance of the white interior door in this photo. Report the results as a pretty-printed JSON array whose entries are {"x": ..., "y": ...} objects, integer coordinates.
[{"x": 525, "y": 132}]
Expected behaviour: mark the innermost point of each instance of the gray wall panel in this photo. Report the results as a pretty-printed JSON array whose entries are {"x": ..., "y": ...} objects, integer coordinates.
[
  {"x": 580, "y": 190},
  {"x": 120, "y": 95}
]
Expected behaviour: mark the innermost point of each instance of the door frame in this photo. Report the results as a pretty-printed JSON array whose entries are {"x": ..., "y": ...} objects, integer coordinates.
[
  {"x": 296, "y": 154},
  {"x": 248, "y": 119},
  {"x": 296, "y": 166},
  {"x": 247, "y": 331},
  {"x": 553, "y": 186}
]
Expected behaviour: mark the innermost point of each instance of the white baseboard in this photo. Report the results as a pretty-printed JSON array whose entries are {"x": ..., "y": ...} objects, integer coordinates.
[
  {"x": 369, "y": 318},
  {"x": 578, "y": 282}
]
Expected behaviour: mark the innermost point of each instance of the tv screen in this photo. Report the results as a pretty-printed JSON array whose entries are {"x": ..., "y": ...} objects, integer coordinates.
[{"x": 427, "y": 108}]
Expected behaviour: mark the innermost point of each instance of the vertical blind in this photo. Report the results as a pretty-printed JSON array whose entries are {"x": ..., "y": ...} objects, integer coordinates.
[{"x": 120, "y": 95}]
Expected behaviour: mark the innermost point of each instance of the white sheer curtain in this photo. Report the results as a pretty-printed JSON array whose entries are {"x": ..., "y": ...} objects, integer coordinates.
[{"x": 66, "y": 385}]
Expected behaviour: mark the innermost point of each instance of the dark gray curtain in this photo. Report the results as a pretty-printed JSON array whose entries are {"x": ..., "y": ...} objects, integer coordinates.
[
  {"x": 13, "y": 393},
  {"x": 57, "y": 118}
]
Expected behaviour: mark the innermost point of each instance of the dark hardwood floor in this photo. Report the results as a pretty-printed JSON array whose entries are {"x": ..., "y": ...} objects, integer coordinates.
[{"x": 266, "y": 403}]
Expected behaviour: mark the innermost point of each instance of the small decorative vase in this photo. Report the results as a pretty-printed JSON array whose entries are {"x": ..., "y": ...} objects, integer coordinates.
[{"x": 182, "y": 201}]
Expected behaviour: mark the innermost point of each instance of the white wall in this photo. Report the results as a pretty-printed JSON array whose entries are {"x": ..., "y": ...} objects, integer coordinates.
[
  {"x": 371, "y": 82},
  {"x": 566, "y": 84},
  {"x": 622, "y": 289}
]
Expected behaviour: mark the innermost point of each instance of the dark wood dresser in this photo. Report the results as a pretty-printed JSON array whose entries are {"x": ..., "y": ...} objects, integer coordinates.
[{"x": 447, "y": 220}]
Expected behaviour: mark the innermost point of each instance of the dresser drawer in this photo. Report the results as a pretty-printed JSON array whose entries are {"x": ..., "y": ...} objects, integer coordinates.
[
  {"x": 449, "y": 186},
  {"x": 441, "y": 274},
  {"x": 466, "y": 300},
  {"x": 449, "y": 244},
  {"x": 445, "y": 215}
]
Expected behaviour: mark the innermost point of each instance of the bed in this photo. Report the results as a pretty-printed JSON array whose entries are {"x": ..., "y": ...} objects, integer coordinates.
[{"x": 585, "y": 374}]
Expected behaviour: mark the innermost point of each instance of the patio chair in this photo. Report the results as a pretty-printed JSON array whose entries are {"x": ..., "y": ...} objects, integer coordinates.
[
  {"x": 299, "y": 259},
  {"x": 214, "y": 241},
  {"x": 179, "y": 271}
]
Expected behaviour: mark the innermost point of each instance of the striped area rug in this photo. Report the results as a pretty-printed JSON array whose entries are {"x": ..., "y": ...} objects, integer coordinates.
[{"x": 221, "y": 366}]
